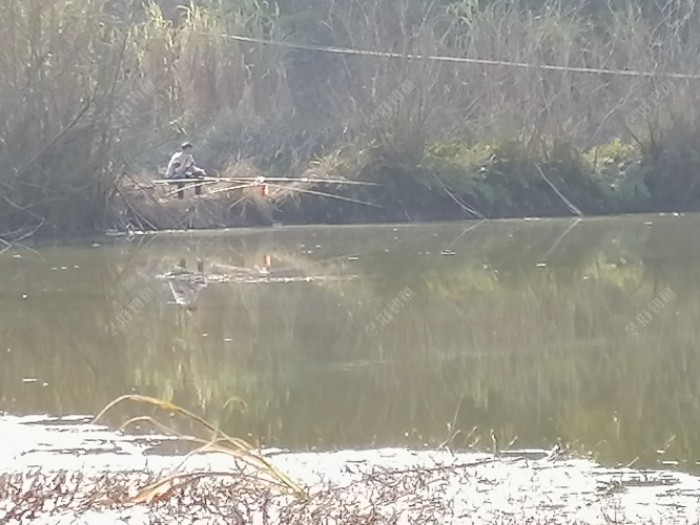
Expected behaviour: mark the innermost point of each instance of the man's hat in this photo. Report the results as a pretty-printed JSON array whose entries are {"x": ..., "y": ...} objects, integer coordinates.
[{"x": 185, "y": 145}]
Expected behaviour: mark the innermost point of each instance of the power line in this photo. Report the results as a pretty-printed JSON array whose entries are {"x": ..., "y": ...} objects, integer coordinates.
[{"x": 478, "y": 61}]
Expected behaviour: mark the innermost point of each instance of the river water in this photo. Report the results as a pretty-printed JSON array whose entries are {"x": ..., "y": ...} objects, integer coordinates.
[{"x": 476, "y": 335}]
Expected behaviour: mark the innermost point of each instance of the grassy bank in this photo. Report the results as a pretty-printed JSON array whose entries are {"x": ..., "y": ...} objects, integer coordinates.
[
  {"x": 452, "y": 180},
  {"x": 99, "y": 94}
]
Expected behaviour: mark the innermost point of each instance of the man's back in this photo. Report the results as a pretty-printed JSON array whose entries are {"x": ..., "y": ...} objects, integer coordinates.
[{"x": 179, "y": 163}]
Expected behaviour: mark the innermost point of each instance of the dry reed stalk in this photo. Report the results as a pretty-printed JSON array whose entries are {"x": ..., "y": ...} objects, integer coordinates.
[
  {"x": 234, "y": 446},
  {"x": 286, "y": 107}
]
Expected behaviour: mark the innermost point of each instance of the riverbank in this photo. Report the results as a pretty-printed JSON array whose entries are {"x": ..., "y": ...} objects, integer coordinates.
[
  {"x": 453, "y": 180},
  {"x": 69, "y": 471},
  {"x": 456, "y": 109}
]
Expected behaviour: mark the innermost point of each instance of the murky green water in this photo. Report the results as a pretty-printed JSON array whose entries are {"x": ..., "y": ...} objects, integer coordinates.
[{"x": 369, "y": 336}]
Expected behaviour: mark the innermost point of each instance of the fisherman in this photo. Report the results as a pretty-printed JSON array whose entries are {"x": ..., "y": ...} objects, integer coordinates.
[{"x": 182, "y": 166}]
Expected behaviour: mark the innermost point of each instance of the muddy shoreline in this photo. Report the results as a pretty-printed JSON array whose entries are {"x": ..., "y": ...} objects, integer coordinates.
[{"x": 69, "y": 471}]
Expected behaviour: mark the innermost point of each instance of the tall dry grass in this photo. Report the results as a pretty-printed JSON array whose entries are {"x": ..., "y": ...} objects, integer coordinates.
[{"x": 76, "y": 117}]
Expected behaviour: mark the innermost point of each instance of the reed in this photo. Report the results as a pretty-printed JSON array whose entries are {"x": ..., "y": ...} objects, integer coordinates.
[
  {"x": 93, "y": 95},
  {"x": 217, "y": 442}
]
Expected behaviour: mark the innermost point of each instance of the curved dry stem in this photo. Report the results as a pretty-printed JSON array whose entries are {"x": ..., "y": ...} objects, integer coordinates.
[
  {"x": 148, "y": 419},
  {"x": 165, "y": 405},
  {"x": 236, "y": 447},
  {"x": 154, "y": 491}
]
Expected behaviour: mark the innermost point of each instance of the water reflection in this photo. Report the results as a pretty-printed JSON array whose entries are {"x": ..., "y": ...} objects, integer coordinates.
[{"x": 516, "y": 326}]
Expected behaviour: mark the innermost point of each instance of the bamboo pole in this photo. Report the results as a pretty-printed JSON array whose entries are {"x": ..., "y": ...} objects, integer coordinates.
[{"x": 263, "y": 180}]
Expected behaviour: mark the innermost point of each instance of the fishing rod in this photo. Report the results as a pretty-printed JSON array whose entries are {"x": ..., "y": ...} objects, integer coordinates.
[
  {"x": 263, "y": 180},
  {"x": 256, "y": 184}
]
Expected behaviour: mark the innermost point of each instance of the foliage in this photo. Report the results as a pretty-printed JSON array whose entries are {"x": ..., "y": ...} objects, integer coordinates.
[{"x": 94, "y": 91}]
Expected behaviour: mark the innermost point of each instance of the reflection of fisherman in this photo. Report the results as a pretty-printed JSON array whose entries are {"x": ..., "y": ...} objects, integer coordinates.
[
  {"x": 182, "y": 166},
  {"x": 185, "y": 285}
]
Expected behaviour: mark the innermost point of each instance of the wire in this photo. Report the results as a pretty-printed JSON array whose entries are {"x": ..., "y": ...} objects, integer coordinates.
[{"x": 479, "y": 61}]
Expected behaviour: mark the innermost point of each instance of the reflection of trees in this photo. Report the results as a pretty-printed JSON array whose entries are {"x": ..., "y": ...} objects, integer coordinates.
[
  {"x": 58, "y": 333},
  {"x": 540, "y": 352}
]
